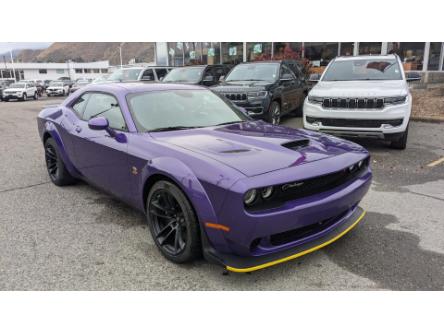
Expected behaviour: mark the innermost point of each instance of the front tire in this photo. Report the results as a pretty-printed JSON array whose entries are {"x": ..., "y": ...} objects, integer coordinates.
[
  {"x": 172, "y": 222},
  {"x": 57, "y": 171},
  {"x": 24, "y": 98},
  {"x": 274, "y": 113},
  {"x": 401, "y": 142}
]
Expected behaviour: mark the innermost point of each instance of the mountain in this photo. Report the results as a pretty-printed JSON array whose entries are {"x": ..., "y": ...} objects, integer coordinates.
[{"x": 90, "y": 51}]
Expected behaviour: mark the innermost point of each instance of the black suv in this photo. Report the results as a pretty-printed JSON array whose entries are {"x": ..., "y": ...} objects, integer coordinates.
[
  {"x": 205, "y": 75},
  {"x": 267, "y": 89}
]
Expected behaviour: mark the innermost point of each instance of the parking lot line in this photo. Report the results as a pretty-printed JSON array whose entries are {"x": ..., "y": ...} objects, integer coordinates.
[{"x": 436, "y": 162}]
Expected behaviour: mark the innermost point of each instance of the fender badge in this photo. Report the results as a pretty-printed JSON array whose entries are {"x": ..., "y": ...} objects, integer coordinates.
[{"x": 134, "y": 170}]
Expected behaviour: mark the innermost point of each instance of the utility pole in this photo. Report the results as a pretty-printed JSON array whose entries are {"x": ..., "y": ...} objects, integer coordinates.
[
  {"x": 12, "y": 65},
  {"x": 120, "y": 51}
]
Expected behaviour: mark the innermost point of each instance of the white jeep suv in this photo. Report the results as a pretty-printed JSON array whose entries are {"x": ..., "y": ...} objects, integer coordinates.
[
  {"x": 363, "y": 96},
  {"x": 57, "y": 88},
  {"x": 21, "y": 91}
]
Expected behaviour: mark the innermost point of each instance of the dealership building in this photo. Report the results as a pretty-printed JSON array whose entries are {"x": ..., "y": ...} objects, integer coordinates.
[
  {"x": 52, "y": 71},
  {"x": 424, "y": 57}
]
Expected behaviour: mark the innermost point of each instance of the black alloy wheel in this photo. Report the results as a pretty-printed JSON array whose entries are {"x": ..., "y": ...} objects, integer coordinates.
[
  {"x": 57, "y": 171},
  {"x": 172, "y": 222}
]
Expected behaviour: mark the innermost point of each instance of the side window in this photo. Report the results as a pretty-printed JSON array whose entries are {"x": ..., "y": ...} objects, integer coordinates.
[
  {"x": 105, "y": 105},
  {"x": 161, "y": 73},
  {"x": 286, "y": 71},
  {"x": 148, "y": 75},
  {"x": 218, "y": 72},
  {"x": 79, "y": 105}
]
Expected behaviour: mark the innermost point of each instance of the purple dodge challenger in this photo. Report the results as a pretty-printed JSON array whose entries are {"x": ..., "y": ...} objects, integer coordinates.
[{"x": 211, "y": 181}]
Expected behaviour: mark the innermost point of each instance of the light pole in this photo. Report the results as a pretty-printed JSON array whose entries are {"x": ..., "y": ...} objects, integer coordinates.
[
  {"x": 12, "y": 65},
  {"x": 120, "y": 52}
]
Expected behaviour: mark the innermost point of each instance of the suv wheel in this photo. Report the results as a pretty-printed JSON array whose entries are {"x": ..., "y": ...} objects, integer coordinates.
[
  {"x": 36, "y": 96},
  {"x": 274, "y": 113},
  {"x": 24, "y": 98},
  {"x": 401, "y": 142}
]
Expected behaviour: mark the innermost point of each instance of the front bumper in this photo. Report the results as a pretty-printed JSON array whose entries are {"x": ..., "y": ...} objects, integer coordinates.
[
  {"x": 250, "y": 264},
  {"x": 256, "y": 109},
  {"x": 391, "y": 120}
]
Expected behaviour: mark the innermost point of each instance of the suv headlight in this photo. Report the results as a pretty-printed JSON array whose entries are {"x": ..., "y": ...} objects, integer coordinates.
[
  {"x": 257, "y": 94},
  {"x": 395, "y": 100},
  {"x": 315, "y": 99}
]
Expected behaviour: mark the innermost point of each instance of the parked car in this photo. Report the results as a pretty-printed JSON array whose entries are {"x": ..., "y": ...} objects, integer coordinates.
[
  {"x": 80, "y": 83},
  {"x": 66, "y": 80},
  {"x": 363, "y": 96},
  {"x": 133, "y": 74},
  {"x": 38, "y": 84},
  {"x": 4, "y": 83},
  {"x": 206, "y": 75},
  {"x": 57, "y": 88},
  {"x": 195, "y": 165},
  {"x": 266, "y": 90},
  {"x": 20, "y": 91},
  {"x": 101, "y": 79}
]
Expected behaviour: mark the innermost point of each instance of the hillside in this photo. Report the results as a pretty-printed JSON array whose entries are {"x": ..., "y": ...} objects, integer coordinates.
[{"x": 85, "y": 52}]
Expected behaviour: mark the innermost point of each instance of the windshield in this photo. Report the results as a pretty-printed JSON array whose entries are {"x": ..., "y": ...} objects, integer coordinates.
[
  {"x": 55, "y": 84},
  {"x": 359, "y": 70},
  {"x": 190, "y": 74},
  {"x": 181, "y": 108},
  {"x": 17, "y": 85},
  {"x": 254, "y": 72},
  {"x": 127, "y": 74}
]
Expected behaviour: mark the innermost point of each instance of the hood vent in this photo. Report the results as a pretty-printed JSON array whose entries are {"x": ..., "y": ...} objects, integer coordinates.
[
  {"x": 235, "y": 151},
  {"x": 295, "y": 145}
]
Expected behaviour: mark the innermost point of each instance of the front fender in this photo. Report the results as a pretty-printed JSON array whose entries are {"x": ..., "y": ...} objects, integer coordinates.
[{"x": 188, "y": 182}]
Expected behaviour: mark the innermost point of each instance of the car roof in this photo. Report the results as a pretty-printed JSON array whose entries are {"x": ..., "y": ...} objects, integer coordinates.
[
  {"x": 135, "y": 87},
  {"x": 366, "y": 57}
]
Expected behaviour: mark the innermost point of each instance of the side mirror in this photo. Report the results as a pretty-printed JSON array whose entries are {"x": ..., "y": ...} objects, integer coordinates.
[
  {"x": 99, "y": 123},
  {"x": 208, "y": 78},
  {"x": 412, "y": 76},
  {"x": 287, "y": 77},
  {"x": 221, "y": 78},
  {"x": 314, "y": 78}
]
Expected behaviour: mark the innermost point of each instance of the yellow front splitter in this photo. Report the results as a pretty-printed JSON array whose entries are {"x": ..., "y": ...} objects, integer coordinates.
[{"x": 354, "y": 219}]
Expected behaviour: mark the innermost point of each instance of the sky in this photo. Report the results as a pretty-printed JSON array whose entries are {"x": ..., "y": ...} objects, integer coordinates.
[{"x": 5, "y": 47}]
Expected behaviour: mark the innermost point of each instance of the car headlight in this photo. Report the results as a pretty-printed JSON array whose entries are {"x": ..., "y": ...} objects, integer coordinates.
[
  {"x": 395, "y": 100},
  {"x": 250, "y": 197},
  {"x": 257, "y": 94},
  {"x": 315, "y": 99},
  {"x": 266, "y": 192}
]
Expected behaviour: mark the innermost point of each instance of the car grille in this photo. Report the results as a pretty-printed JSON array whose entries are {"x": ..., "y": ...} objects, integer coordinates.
[
  {"x": 236, "y": 96},
  {"x": 309, "y": 230},
  {"x": 364, "y": 123},
  {"x": 353, "y": 103},
  {"x": 311, "y": 186}
]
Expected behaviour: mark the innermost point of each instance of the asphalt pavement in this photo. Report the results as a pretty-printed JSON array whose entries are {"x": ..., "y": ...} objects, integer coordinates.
[{"x": 78, "y": 238}]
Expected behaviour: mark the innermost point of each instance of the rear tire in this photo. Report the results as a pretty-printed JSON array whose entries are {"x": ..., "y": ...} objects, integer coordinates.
[
  {"x": 401, "y": 142},
  {"x": 172, "y": 222},
  {"x": 36, "y": 96},
  {"x": 57, "y": 171}
]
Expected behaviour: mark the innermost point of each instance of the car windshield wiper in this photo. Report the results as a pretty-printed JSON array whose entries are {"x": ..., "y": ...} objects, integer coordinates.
[
  {"x": 230, "y": 122},
  {"x": 173, "y": 128}
]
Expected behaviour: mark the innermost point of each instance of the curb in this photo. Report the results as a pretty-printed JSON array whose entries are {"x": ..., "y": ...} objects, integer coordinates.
[{"x": 428, "y": 120}]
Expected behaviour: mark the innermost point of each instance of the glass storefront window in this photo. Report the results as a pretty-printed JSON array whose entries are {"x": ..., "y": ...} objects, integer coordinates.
[
  {"x": 192, "y": 53},
  {"x": 412, "y": 55},
  {"x": 175, "y": 53},
  {"x": 434, "y": 56},
  {"x": 370, "y": 48},
  {"x": 347, "y": 48},
  {"x": 211, "y": 53},
  {"x": 320, "y": 54},
  {"x": 232, "y": 53},
  {"x": 283, "y": 50},
  {"x": 258, "y": 51}
]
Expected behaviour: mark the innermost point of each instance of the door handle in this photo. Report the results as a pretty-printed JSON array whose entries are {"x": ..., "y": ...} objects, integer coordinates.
[{"x": 78, "y": 129}]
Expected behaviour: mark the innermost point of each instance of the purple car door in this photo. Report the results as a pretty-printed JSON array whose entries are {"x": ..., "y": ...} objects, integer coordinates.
[{"x": 99, "y": 156}]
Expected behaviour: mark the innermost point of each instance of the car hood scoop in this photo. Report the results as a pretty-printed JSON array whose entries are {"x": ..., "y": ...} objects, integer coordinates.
[{"x": 256, "y": 147}]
